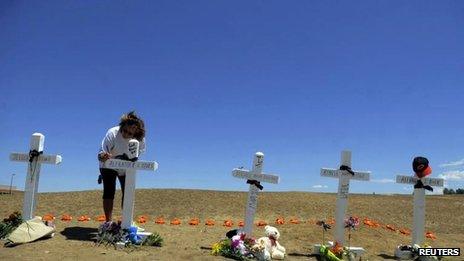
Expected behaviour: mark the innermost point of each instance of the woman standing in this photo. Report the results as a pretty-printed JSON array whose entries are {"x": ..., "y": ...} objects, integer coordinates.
[{"x": 115, "y": 145}]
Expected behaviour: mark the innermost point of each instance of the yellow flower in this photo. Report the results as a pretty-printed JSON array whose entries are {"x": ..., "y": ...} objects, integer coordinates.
[{"x": 216, "y": 249}]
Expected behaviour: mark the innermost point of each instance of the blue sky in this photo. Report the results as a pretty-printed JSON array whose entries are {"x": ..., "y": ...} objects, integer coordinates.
[{"x": 216, "y": 81}]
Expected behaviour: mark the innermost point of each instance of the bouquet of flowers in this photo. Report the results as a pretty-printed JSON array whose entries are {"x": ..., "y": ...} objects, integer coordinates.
[
  {"x": 327, "y": 253},
  {"x": 238, "y": 247},
  {"x": 9, "y": 224},
  {"x": 337, "y": 251},
  {"x": 111, "y": 233}
]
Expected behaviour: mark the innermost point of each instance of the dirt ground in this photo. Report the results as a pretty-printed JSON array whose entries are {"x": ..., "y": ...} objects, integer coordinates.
[{"x": 73, "y": 240}]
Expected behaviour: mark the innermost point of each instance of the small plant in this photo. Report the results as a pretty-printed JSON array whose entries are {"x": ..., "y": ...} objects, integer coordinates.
[
  {"x": 9, "y": 224},
  {"x": 153, "y": 240}
]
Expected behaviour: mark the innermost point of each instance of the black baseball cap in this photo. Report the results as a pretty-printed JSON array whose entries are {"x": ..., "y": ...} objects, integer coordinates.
[{"x": 421, "y": 167}]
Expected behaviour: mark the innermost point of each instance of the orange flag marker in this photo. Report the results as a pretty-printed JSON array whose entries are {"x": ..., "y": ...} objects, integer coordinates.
[
  {"x": 66, "y": 217},
  {"x": 48, "y": 217},
  {"x": 194, "y": 221},
  {"x": 405, "y": 231},
  {"x": 175, "y": 222},
  {"x": 228, "y": 223},
  {"x": 390, "y": 227},
  {"x": 430, "y": 235},
  {"x": 142, "y": 219},
  {"x": 280, "y": 221},
  {"x": 160, "y": 221},
  {"x": 83, "y": 218},
  {"x": 294, "y": 221}
]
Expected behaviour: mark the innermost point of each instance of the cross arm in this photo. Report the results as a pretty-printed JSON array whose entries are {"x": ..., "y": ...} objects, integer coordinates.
[
  {"x": 336, "y": 173},
  {"x": 426, "y": 181},
  {"x": 246, "y": 174},
  {"x": 48, "y": 159},
  {"x": 137, "y": 165}
]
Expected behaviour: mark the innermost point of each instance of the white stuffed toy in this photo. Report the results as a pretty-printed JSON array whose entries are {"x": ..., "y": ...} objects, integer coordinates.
[
  {"x": 260, "y": 251},
  {"x": 269, "y": 245}
]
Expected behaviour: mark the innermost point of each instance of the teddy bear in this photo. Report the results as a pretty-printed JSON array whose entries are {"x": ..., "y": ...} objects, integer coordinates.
[
  {"x": 268, "y": 246},
  {"x": 259, "y": 250}
]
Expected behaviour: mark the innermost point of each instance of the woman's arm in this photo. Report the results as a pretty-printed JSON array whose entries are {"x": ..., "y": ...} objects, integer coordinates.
[{"x": 106, "y": 146}]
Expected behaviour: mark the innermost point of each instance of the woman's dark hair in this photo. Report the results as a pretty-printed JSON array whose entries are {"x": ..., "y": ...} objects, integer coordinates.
[{"x": 131, "y": 119}]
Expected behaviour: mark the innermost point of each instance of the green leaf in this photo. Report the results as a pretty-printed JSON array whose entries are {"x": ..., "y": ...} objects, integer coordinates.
[{"x": 153, "y": 240}]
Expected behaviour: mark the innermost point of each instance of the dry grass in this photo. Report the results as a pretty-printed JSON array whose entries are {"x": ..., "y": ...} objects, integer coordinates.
[{"x": 444, "y": 218}]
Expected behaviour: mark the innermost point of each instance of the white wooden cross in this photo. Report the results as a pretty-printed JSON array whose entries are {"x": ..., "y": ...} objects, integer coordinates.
[
  {"x": 418, "y": 230},
  {"x": 254, "y": 175},
  {"x": 34, "y": 158},
  {"x": 344, "y": 178},
  {"x": 129, "y": 187}
]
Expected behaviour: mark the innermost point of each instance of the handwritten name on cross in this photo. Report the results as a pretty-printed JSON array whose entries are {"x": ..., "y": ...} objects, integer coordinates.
[
  {"x": 131, "y": 166},
  {"x": 418, "y": 230},
  {"x": 344, "y": 175},
  {"x": 34, "y": 158},
  {"x": 254, "y": 177}
]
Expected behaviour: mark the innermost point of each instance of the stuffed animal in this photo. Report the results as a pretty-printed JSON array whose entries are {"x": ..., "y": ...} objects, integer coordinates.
[
  {"x": 259, "y": 250},
  {"x": 272, "y": 248},
  {"x": 133, "y": 237}
]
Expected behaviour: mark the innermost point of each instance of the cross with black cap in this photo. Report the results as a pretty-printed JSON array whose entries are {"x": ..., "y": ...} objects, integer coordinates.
[
  {"x": 422, "y": 169},
  {"x": 254, "y": 178}
]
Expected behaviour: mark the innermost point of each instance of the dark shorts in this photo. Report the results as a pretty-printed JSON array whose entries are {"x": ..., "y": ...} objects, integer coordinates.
[{"x": 109, "y": 183}]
